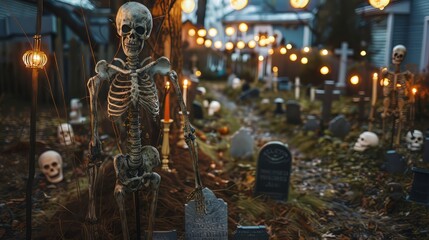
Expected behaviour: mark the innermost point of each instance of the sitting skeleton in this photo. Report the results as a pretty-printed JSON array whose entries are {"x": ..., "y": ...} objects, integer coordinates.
[
  {"x": 132, "y": 88},
  {"x": 395, "y": 90}
]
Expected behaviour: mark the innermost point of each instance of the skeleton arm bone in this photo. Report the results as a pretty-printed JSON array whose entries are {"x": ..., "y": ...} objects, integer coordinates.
[{"x": 104, "y": 72}]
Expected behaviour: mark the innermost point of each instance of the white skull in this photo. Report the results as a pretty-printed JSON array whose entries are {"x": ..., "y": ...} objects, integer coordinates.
[
  {"x": 398, "y": 54},
  {"x": 414, "y": 140},
  {"x": 214, "y": 107},
  {"x": 366, "y": 140},
  {"x": 236, "y": 83},
  {"x": 65, "y": 134},
  {"x": 134, "y": 25},
  {"x": 50, "y": 163}
]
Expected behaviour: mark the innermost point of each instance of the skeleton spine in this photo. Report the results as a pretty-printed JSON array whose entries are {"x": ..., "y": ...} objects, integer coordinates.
[{"x": 134, "y": 139}]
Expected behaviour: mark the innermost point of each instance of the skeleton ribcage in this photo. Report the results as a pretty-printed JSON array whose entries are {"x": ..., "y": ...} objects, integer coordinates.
[{"x": 126, "y": 90}]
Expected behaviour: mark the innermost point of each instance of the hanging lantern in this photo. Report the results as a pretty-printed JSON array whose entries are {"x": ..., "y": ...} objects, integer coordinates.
[
  {"x": 187, "y": 6},
  {"x": 35, "y": 58},
  {"x": 238, "y": 4},
  {"x": 299, "y": 3},
  {"x": 380, "y": 4}
]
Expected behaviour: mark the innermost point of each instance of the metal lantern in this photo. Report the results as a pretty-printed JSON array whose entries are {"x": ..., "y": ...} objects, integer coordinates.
[
  {"x": 35, "y": 58},
  {"x": 380, "y": 4}
]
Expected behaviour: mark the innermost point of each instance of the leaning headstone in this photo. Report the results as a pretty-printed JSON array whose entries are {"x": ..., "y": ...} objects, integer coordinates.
[
  {"x": 395, "y": 162},
  {"x": 273, "y": 171},
  {"x": 339, "y": 126},
  {"x": 312, "y": 124},
  {"x": 211, "y": 225},
  {"x": 197, "y": 110},
  {"x": 279, "y": 106},
  {"x": 164, "y": 235},
  {"x": 293, "y": 112},
  {"x": 249, "y": 94},
  {"x": 251, "y": 233},
  {"x": 242, "y": 143}
]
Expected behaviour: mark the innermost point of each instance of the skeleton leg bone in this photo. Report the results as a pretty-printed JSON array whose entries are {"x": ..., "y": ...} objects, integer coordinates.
[
  {"x": 92, "y": 175},
  {"x": 155, "y": 180},
  {"x": 120, "y": 200}
]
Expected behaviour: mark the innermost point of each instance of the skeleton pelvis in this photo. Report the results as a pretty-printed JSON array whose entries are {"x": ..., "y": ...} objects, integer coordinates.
[{"x": 131, "y": 172}]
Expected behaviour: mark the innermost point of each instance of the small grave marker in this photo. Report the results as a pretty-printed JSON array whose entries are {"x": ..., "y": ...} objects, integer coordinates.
[
  {"x": 395, "y": 162},
  {"x": 327, "y": 96},
  {"x": 420, "y": 187},
  {"x": 273, "y": 171},
  {"x": 279, "y": 106},
  {"x": 312, "y": 124},
  {"x": 251, "y": 233},
  {"x": 197, "y": 110},
  {"x": 213, "y": 225},
  {"x": 361, "y": 100},
  {"x": 339, "y": 126},
  {"x": 293, "y": 112},
  {"x": 242, "y": 144}
]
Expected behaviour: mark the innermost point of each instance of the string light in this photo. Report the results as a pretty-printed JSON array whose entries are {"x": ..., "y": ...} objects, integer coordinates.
[
  {"x": 187, "y": 6},
  {"x": 238, "y": 4},
  {"x": 380, "y": 4}
]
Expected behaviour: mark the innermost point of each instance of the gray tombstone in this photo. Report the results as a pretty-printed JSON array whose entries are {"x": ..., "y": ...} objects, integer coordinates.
[
  {"x": 242, "y": 144},
  {"x": 213, "y": 225},
  {"x": 339, "y": 126},
  {"x": 197, "y": 110},
  {"x": 395, "y": 162},
  {"x": 312, "y": 124},
  {"x": 293, "y": 112},
  {"x": 251, "y": 233},
  {"x": 273, "y": 171},
  {"x": 279, "y": 106},
  {"x": 164, "y": 235}
]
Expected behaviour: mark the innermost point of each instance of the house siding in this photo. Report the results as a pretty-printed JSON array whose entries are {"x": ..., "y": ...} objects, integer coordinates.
[
  {"x": 419, "y": 9},
  {"x": 378, "y": 41}
]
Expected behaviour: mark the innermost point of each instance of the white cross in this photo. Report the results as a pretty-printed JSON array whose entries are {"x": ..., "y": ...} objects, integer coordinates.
[{"x": 344, "y": 51}]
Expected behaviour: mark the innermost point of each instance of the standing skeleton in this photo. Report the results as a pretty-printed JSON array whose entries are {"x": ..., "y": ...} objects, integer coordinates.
[
  {"x": 396, "y": 93},
  {"x": 132, "y": 88}
]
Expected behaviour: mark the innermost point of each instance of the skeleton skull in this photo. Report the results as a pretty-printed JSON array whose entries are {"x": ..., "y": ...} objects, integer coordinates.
[
  {"x": 65, "y": 134},
  {"x": 366, "y": 140},
  {"x": 50, "y": 163},
  {"x": 414, "y": 140},
  {"x": 398, "y": 54},
  {"x": 214, "y": 107},
  {"x": 134, "y": 25}
]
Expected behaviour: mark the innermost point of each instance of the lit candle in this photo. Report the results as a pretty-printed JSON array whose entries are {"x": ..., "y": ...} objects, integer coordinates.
[
  {"x": 167, "y": 102},
  {"x": 185, "y": 89},
  {"x": 374, "y": 88}
]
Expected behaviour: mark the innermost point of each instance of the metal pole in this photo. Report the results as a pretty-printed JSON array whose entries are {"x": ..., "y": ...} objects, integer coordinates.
[
  {"x": 31, "y": 162},
  {"x": 33, "y": 117}
]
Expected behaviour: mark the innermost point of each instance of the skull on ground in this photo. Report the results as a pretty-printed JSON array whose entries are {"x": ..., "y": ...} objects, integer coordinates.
[
  {"x": 366, "y": 140},
  {"x": 134, "y": 25},
  {"x": 414, "y": 140},
  {"x": 50, "y": 163}
]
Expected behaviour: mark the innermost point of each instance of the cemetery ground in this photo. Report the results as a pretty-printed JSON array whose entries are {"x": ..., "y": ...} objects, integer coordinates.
[{"x": 335, "y": 192}]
